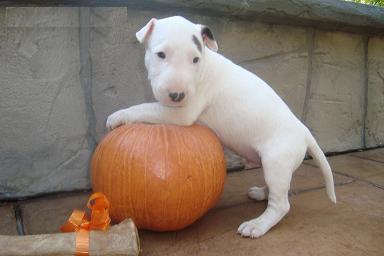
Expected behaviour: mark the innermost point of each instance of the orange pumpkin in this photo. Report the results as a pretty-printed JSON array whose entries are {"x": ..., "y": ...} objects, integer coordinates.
[{"x": 164, "y": 177}]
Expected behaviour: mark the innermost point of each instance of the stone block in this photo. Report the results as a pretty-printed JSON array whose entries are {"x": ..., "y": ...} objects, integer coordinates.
[
  {"x": 356, "y": 167},
  {"x": 7, "y": 220},
  {"x": 43, "y": 145},
  {"x": 52, "y": 107},
  {"x": 374, "y": 132},
  {"x": 119, "y": 79},
  {"x": 375, "y": 154},
  {"x": 335, "y": 106},
  {"x": 38, "y": 17},
  {"x": 377, "y": 180}
]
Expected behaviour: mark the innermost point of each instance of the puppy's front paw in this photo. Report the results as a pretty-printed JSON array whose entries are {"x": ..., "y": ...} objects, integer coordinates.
[{"x": 116, "y": 119}]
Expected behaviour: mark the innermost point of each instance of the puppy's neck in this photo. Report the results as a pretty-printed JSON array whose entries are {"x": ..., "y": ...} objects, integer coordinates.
[{"x": 211, "y": 70}]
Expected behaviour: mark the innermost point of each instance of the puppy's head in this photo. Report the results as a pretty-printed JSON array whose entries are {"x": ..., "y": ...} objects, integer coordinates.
[{"x": 174, "y": 57}]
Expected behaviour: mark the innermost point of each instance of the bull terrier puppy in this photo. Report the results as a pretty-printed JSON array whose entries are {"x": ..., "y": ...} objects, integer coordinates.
[{"x": 195, "y": 84}]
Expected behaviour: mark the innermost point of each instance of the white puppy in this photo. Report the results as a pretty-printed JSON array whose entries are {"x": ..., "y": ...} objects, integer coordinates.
[{"x": 193, "y": 83}]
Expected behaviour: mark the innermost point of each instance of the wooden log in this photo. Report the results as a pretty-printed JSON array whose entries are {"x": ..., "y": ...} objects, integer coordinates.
[{"x": 119, "y": 240}]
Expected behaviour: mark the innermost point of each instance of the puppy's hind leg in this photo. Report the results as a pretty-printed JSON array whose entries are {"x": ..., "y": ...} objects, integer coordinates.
[{"x": 278, "y": 178}]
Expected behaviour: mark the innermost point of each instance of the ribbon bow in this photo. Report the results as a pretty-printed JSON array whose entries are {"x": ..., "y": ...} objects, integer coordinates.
[{"x": 79, "y": 223}]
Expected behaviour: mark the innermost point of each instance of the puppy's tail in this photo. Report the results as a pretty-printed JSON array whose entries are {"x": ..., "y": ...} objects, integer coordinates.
[{"x": 321, "y": 161}]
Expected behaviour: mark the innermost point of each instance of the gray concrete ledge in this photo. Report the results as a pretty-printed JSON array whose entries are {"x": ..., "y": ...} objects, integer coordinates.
[{"x": 323, "y": 14}]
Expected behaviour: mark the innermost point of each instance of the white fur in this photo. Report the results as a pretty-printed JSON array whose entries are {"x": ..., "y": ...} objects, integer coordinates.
[{"x": 246, "y": 114}]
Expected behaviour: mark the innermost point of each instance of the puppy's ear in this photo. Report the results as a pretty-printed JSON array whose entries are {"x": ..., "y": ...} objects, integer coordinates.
[
  {"x": 143, "y": 34},
  {"x": 208, "y": 38}
]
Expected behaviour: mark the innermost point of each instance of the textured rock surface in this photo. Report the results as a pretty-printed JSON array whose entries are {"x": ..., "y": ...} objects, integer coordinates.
[
  {"x": 64, "y": 70},
  {"x": 53, "y": 211},
  {"x": 43, "y": 145},
  {"x": 119, "y": 79},
  {"x": 374, "y": 133},
  {"x": 375, "y": 154},
  {"x": 46, "y": 17},
  {"x": 335, "y": 106},
  {"x": 324, "y": 14},
  {"x": 7, "y": 220}
]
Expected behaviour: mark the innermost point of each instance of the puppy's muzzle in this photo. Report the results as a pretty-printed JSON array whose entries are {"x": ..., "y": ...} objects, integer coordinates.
[{"x": 177, "y": 96}]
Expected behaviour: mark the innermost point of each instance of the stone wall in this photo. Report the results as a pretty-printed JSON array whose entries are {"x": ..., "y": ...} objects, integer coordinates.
[{"x": 65, "y": 69}]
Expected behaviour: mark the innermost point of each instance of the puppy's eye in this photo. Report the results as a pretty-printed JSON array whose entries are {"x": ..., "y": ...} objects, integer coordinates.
[
  {"x": 161, "y": 55},
  {"x": 196, "y": 59}
]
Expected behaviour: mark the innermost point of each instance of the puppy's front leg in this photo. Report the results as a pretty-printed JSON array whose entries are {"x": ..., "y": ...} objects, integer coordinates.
[{"x": 154, "y": 113}]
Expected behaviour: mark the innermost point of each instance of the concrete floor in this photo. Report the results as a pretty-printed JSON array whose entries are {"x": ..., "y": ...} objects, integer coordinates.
[{"x": 314, "y": 226}]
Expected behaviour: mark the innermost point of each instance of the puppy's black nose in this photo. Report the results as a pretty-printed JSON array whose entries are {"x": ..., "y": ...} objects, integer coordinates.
[{"x": 177, "y": 97}]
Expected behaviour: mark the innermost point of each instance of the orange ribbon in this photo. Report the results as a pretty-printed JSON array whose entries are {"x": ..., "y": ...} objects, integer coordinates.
[{"x": 79, "y": 223}]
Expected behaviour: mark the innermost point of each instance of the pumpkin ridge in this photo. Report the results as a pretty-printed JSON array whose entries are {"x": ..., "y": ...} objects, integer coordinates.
[
  {"x": 135, "y": 140},
  {"x": 164, "y": 140},
  {"x": 176, "y": 135},
  {"x": 125, "y": 161},
  {"x": 200, "y": 166},
  {"x": 118, "y": 169}
]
